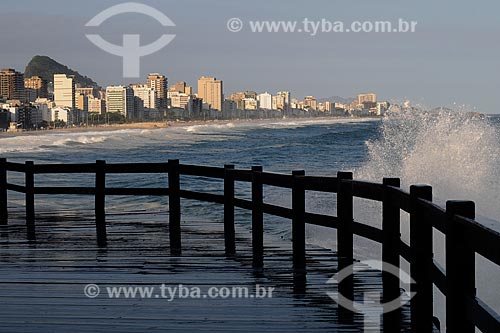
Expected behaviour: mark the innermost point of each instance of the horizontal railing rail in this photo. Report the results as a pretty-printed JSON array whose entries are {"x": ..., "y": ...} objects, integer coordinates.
[{"x": 464, "y": 237}]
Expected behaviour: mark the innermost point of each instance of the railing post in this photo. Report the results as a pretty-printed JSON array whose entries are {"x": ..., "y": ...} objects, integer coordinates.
[
  {"x": 30, "y": 199},
  {"x": 345, "y": 215},
  {"x": 298, "y": 222},
  {"x": 174, "y": 202},
  {"x": 390, "y": 240},
  {"x": 229, "y": 234},
  {"x": 345, "y": 235},
  {"x": 391, "y": 236},
  {"x": 257, "y": 217},
  {"x": 4, "y": 213},
  {"x": 421, "y": 255},
  {"x": 460, "y": 268},
  {"x": 100, "y": 203}
]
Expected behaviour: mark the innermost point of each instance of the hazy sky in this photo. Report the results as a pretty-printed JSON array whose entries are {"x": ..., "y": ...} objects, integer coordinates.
[{"x": 453, "y": 57}]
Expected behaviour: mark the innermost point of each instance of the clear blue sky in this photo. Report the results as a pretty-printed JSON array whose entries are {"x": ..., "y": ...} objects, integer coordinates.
[{"x": 454, "y": 57}]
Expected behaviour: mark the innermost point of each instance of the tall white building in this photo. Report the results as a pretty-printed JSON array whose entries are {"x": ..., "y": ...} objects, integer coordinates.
[
  {"x": 180, "y": 100},
  {"x": 265, "y": 101},
  {"x": 120, "y": 99},
  {"x": 64, "y": 91},
  {"x": 147, "y": 102},
  {"x": 147, "y": 95},
  {"x": 283, "y": 100},
  {"x": 159, "y": 83}
]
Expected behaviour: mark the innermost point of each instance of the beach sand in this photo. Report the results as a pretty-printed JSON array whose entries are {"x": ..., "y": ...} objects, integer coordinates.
[{"x": 161, "y": 124}]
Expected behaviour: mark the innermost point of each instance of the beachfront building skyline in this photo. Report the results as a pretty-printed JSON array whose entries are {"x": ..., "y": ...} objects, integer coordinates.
[
  {"x": 82, "y": 102},
  {"x": 180, "y": 100},
  {"x": 87, "y": 91},
  {"x": 141, "y": 101},
  {"x": 311, "y": 102},
  {"x": 64, "y": 90},
  {"x": 11, "y": 84},
  {"x": 120, "y": 99},
  {"x": 283, "y": 100},
  {"x": 35, "y": 87},
  {"x": 211, "y": 91},
  {"x": 159, "y": 83},
  {"x": 265, "y": 100},
  {"x": 367, "y": 98},
  {"x": 178, "y": 87},
  {"x": 146, "y": 101},
  {"x": 96, "y": 105}
]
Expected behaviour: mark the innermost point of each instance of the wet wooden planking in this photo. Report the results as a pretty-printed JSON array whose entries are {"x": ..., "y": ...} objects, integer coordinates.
[{"x": 41, "y": 284}]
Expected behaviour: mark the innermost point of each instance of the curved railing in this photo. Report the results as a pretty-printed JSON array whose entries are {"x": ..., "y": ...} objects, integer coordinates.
[{"x": 464, "y": 237}]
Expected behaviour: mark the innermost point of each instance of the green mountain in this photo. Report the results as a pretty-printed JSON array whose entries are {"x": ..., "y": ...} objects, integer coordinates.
[{"x": 46, "y": 67}]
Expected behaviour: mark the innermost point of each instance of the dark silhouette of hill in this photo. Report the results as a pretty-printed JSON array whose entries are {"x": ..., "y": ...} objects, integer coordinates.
[{"x": 45, "y": 67}]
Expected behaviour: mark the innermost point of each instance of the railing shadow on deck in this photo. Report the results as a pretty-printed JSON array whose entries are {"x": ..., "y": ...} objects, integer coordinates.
[{"x": 464, "y": 236}]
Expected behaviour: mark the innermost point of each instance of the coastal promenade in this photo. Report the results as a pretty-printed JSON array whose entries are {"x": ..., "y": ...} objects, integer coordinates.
[
  {"x": 48, "y": 258},
  {"x": 42, "y": 283}
]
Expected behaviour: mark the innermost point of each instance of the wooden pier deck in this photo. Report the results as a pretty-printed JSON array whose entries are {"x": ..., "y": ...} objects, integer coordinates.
[
  {"x": 42, "y": 283},
  {"x": 48, "y": 258}
]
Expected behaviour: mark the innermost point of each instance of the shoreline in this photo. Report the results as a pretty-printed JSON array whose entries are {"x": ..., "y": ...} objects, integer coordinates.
[{"x": 156, "y": 125}]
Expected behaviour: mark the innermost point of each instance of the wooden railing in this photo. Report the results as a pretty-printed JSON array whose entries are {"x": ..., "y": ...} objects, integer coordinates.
[{"x": 464, "y": 236}]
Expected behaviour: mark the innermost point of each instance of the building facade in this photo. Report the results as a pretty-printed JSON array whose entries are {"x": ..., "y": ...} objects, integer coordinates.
[
  {"x": 12, "y": 85},
  {"x": 96, "y": 105},
  {"x": 265, "y": 101},
  {"x": 367, "y": 98},
  {"x": 147, "y": 106},
  {"x": 35, "y": 87},
  {"x": 211, "y": 91},
  {"x": 120, "y": 99},
  {"x": 159, "y": 83},
  {"x": 180, "y": 100},
  {"x": 64, "y": 91}
]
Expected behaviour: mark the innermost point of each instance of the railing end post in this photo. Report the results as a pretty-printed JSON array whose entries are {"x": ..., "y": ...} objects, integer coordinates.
[
  {"x": 4, "y": 214},
  {"x": 465, "y": 208},
  {"x": 460, "y": 267},
  {"x": 421, "y": 254},
  {"x": 391, "y": 237}
]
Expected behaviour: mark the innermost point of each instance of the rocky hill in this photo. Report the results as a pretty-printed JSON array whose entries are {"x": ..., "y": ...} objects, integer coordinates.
[{"x": 46, "y": 67}]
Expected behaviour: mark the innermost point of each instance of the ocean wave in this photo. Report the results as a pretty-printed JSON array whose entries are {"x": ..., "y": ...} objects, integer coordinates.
[
  {"x": 457, "y": 154},
  {"x": 208, "y": 128}
]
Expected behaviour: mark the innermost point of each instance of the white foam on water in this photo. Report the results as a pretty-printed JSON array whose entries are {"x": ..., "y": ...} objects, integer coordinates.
[
  {"x": 455, "y": 152},
  {"x": 39, "y": 142}
]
